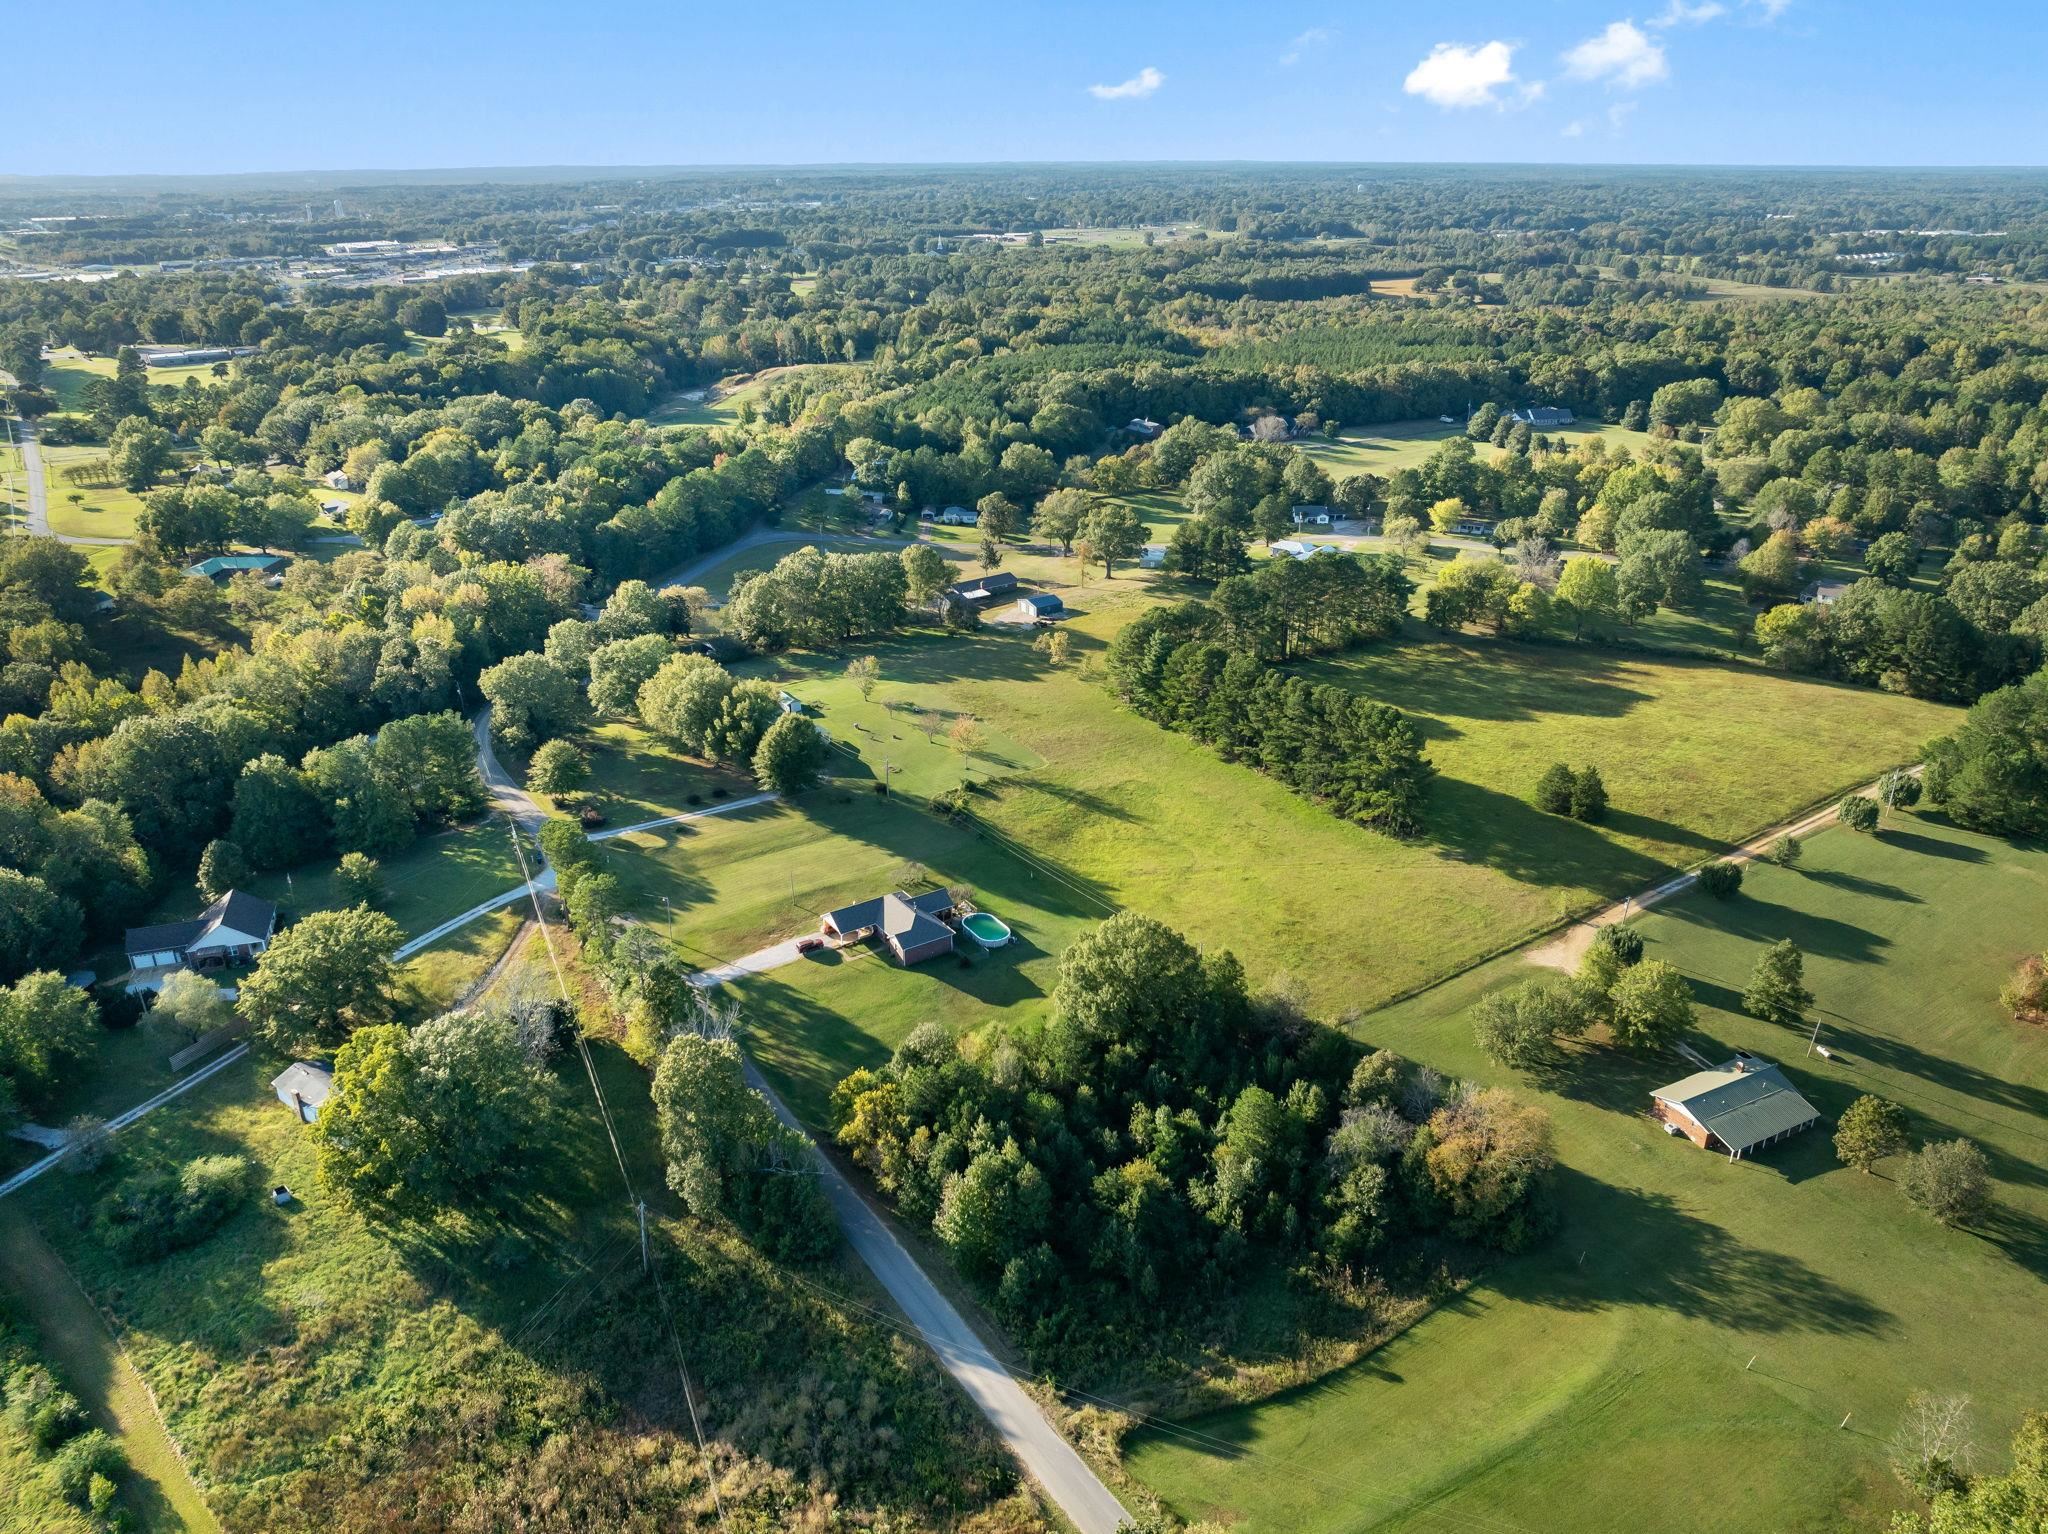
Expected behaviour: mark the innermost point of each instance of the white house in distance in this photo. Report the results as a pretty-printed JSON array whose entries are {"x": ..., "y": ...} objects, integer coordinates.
[
  {"x": 304, "y": 1087},
  {"x": 337, "y": 479},
  {"x": 1300, "y": 548},
  {"x": 233, "y": 930},
  {"x": 1541, "y": 417},
  {"x": 959, "y": 516}
]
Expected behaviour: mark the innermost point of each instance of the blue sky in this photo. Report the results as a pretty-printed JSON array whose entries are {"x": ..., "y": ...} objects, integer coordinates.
[{"x": 226, "y": 85}]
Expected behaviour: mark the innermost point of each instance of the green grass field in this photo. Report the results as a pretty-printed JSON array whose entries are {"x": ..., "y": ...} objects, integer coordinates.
[
  {"x": 438, "y": 876},
  {"x": 1087, "y": 809},
  {"x": 1154, "y": 821},
  {"x": 69, "y": 371},
  {"x": 1666, "y": 735},
  {"x": 1406, "y": 444},
  {"x": 732, "y": 394},
  {"x": 104, "y": 510},
  {"x": 634, "y": 777},
  {"x": 1693, "y": 1314}
]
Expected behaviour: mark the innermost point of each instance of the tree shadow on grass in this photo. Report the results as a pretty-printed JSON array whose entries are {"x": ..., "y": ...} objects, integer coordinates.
[
  {"x": 1765, "y": 921},
  {"x": 2021, "y": 1236},
  {"x": 1481, "y": 825},
  {"x": 1645, "y": 828},
  {"x": 1644, "y": 1249},
  {"x": 1473, "y": 678},
  {"x": 963, "y": 852},
  {"x": 1934, "y": 846},
  {"x": 1856, "y": 884}
]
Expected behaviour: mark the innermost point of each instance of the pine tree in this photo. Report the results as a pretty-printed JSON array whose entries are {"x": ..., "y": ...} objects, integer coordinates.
[
  {"x": 1589, "y": 796},
  {"x": 1554, "y": 790}
]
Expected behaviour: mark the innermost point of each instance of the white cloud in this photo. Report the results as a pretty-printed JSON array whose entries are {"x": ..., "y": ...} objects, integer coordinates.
[
  {"x": 1772, "y": 9},
  {"x": 1619, "y": 114},
  {"x": 1572, "y": 129},
  {"x": 1680, "y": 14},
  {"x": 1314, "y": 37},
  {"x": 1459, "y": 75},
  {"x": 1622, "y": 56},
  {"x": 1137, "y": 88}
]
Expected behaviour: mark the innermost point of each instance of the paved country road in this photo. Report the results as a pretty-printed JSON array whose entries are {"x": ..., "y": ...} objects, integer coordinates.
[
  {"x": 32, "y": 472},
  {"x": 1088, "y": 1504},
  {"x": 37, "y": 512}
]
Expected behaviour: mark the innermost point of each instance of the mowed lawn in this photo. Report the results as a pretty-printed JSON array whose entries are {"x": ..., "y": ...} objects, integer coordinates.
[
  {"x": 1400, "y": 445},
  {"x": 1696, "y": 756},
  {"x": 726, "y": 409},
  {"x": 1684, "y": 1352},
  {"x": 103, "y": 510},
  {"x": 634, "y": 777},
  {"x": 439, "y": 876}
]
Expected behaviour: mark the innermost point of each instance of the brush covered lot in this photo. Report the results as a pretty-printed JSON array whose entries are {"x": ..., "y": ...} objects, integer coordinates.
[
  {"x": 322, "y": 1374},
  {"x": 1694, "y": 1315}
]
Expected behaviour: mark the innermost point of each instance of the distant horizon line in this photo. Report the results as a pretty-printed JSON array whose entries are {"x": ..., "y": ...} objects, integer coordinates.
[{"x": 618, "y": 170}]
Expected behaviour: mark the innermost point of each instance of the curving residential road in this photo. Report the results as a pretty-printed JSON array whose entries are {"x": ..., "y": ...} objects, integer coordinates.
[{"x": 507, "y": 797}]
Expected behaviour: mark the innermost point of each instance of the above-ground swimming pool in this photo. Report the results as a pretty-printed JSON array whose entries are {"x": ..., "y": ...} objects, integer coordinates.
[{"x": 985, "y": 929}]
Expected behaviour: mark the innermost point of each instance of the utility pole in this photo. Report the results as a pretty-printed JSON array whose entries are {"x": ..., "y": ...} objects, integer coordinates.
[
  {"x": 646, "y": 1259},
  {"x": 1816, "y": 1036}
]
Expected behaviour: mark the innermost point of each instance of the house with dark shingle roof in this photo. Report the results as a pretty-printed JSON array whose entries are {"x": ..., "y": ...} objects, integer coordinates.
[
  {"x": 233, "y": 930},
  {"x": 911, "y": 925},
  {"x": 1738, "y": 1108},
  {"x": 996, "y": 583}
]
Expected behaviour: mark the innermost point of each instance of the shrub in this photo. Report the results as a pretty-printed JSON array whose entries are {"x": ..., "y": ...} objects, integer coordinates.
[
  {"x": 90, "y": 1457},
  {"x": 1949, "y": 1180},
  {"x": 1721, "y": 879},
  {"x": 1786, "y": 851},
  {"x": 2025, "y": 994},
  {"x": 89, "y": 1146},
  {"x": 1625, "y": 943},
  {"x": 1858, "y": 812},
  {"x": 41, "y": 1410},
  {"x": 157, "y": 1212},
  {"x": 1554, "y": 790}
]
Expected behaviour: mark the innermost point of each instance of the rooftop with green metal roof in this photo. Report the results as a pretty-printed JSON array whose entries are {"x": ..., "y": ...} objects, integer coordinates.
[{"x": 1743, "y": 1103}]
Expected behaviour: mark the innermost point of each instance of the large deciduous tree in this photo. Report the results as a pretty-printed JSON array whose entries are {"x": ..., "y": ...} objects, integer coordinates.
[
  {"x": 729, "y": 1157},
  {"x": 430, "y": 1117},
  {"x": 322, "y": 979}
]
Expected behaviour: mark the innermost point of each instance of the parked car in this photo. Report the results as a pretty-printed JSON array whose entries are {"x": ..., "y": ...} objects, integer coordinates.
[{"x": 809, "y": 944}]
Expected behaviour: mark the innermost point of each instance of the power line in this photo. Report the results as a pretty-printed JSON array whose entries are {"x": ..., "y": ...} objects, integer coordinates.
[{"x": 625, "y": 1176}]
